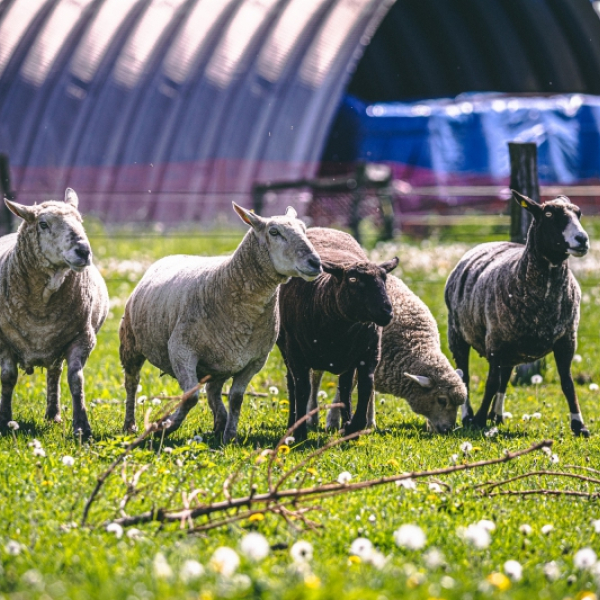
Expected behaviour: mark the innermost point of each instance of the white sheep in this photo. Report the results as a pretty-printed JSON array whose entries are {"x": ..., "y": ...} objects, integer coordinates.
[
  {"x": 53, "y": 301},
  {"x": 412, "y": 365},
  {"x": 194, "y": 316},
  {"x": 515, "y": 304}
]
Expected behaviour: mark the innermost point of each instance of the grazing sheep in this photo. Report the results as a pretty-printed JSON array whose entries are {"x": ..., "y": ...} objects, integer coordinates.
[
  {"x": 332, "y": 324},
  {"x": 194, "y": 316},
  {"x": 412, "y": 365},
  {"x": 53, "y": 301},
  {"x": 514, "y": 304}
]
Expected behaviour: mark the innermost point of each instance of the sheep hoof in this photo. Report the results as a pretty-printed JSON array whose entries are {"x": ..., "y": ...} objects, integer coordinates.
[
  {"x": 83, "y": 433},
  {"x": 579, "y": 429},
  {"x": 468, "y": 421},
  {"x": 350, "y": 428},
  {"x": 496, "y": 418},
  {"x": 130, "y": 428},
  {"x": 53, "y": 418}
]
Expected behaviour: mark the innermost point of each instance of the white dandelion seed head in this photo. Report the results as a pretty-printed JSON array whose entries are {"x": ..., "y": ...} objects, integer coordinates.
[
  {"x": 377, "y": 559},
  {"x": 34, "y": 443},
  {"x": 322, "y": 394},
  {"x": 139, "y": 388},
  {"x": 301, "y": 552},
  {"x": 546, "y": 529},
  {"x": 536, "y": 379},
  {"x": 289, "y": 440},
  {"x": 190, "y": 571},
  {"x": 554, "y": 459},
  {"x": 225, "y": 561},
  {"x": 584, "y": 559},
  {"x": 487, "y": 525},
  {"x": 525, "y": 529},
  {"x": 13, "y": 425},
  {"x": 551, "y": 571},
  {"x": 492, "y": 432},
  {"x": 433, "y": 558},
  {"x": 274, "y": 390},
  {"x": 436, "y": 488},
  {"x": 344, "y": 477},
  {"x": 410, "y": 536},
  {"x": 198, "y": 439},
  {"x": 466, "y": 447},
  {"x": 161, "y": 568},
  {"x": 407, "y": 484},
  {"x": 156, "y": 401},
  {"x": 525, "y": 417},
  {"x": 143, "y": 399},
  {"x": 536, "y": 415},
  {"x": 39, "y": 451},
  {"x": 167, "y": 450},
  {"x": 447, "y": 582},
  {"x": 134, "y": 533},
  {"x": 477, "y": 536},
  {"x": 68, "y": 461},
  {"x": 255, "y": 546},
  {"x": 594, "y": 387},
  {"x": 513, "y": 569},
  {"x": 167, "y": 423},
  {"x": 507, "y": 415},
  {"x": 372, "y": 518},
  {"x": 13, "y": 548},
  {"x": 577, "y": 358},
  {"x": 596, "y": 525},
  {"x": 546, "y": 450},
  {"x": 116, "y": 529},
  {"x": 361, "y": 547},
  {"x": 454, "y": 459}
]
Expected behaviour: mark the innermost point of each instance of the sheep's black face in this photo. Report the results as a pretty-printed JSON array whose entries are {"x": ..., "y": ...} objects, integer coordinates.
[{"x": 362, "y": 296}]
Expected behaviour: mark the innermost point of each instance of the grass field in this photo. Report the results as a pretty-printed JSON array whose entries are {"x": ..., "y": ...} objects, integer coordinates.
[{"x": 44, "y": 553}]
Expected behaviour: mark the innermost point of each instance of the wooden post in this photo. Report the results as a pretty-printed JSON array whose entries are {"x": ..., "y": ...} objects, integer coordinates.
[{"x": 523, "y": 179}]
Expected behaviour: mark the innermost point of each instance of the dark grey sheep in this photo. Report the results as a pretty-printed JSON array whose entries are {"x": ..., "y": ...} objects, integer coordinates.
[
  {"x": 193, "y": 316},
  {"x": 333, "y": 324},
  {"x": 515, "y": 304},
  {"x": 412, "y": 365},
  {"x": 53, "y": 301}
]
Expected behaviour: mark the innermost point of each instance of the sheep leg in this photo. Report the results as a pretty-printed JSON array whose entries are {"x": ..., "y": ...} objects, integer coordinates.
[
  {"x": 460, "y": 350},
  {"x": 215, "y": 400},
  {"x": 491, "y": 387},
  {"x": 292, "y": 398},
  {"x": 236, "y": 397},
  {"x": 497, "y": 412},
  {"x": 564, "y": 349},
  {"x": 344, "y": 394},
  {"x": 366, "y": 377},
  {"x": 313, "y": 401},
  {"x": 334, "y": 416},
  {"x": 8, "y": 377},
  {"x": 76, "y": 358},
  {"x": 132, "y": 366},
  {"x": 53, "y": 393},
  {"x": 301, "y": 383}
]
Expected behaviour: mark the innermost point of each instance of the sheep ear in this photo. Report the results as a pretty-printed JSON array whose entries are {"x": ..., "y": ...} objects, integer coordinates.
[
  {"x": 25, "y": 212},
  {"x": 290, "y": 212},
  {"x": 248, "y": 217},
  {"x": 460, "y": 373},
  {"x": 420, "y": 379},
  {"x": 336, "y": 270},
  {"x": 390, "y": 265},
  {"x": 71, "y": 197},
  {"x": 527, "y": 203}
]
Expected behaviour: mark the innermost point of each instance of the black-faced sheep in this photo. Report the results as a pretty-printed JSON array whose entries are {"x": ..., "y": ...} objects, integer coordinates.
[
  {"x": 515, "y": 304},
  {"x": 412, "y": 365},
  {"x": 53, "y": 301},
  {"x": 333, "y": 324},
  {"x": 194, "y": 316}
]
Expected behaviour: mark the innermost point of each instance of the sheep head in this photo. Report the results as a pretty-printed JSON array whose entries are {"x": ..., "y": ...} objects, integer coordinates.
[
  {"x": 436, "y": 395},
  {"x": 284, "y": 238},
  {"x": 556, "y": 228},
  {"x": 360, "y": 290},
  {"x": 56, "y": 229}
]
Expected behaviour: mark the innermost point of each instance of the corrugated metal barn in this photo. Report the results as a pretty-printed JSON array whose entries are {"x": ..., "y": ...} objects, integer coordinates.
[{"x": 168, "y": 109}]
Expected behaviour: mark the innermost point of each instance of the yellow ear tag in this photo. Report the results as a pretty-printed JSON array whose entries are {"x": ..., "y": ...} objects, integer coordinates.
[{"x": 524, "y": 204}]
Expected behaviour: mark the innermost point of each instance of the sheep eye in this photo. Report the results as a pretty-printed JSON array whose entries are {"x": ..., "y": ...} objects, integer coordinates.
[
  {"x": 548, "y": 214},
  {"x": 352, "y": 279},
  {"x": 273, "y": 232},
  {"x": 43, "y": 225},
  {"x": 441, "y": 401}
]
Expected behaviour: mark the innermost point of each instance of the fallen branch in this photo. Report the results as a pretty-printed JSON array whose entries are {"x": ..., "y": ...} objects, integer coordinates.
[
  {"x": 492, "y": 484},
  {"x": 544, "y": 492}
]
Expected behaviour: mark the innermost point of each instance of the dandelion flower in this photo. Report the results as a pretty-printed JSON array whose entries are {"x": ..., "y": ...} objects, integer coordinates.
[
  {"x": 274, "y": 391},
  {"x": 13, "y": 425},
  {"x": 162, "y": 569},
  {"x": 554, "y": 459},
  {"x": 13, "y": 548},
  {"x": 447, "y": 582},
  {"x": 433, "y": 558},
  {"x": 191, "y": 570},
  {"x": 584, "y": 559},
  {"x": 255, "y": 546},
  {"x": 487, "y": 525},
  {"x": 454, "y": 459},
  {"x": 289, "y": 440},
  {"x": 525, "y": 529},
  {"x": 198, "y": 439},
  {"x": 551, "y": 571},
  {"x": 68, "y": 461},
  {"x": 39, "y": 452},
  {"x": 436, "y": 488},
  {"x": 536, "y": 415},
  {"x": 115, "y": 528},
  {"x": 167, "y": 450},
  {"x": 525, "y": 417},
  {"x": 344, "y": 477},
  {"x": 577, "y": 358},
  {"x": 407, "y": 484},
  {"x": 490, "y": 433},
  {"x": 546, "y": 450},
  {"x": 372, "y": 518},
  {"x": 596, "y": 525},
  {"x": 477, "y": 535},
  {"x": 536, "y": 379},
  {"x": 134, "y": 534},
  {"x": 156, "y": 401},
  {"x": 466, "y": 447},
  {"x": 594, "y": 387},
  {"x": 513, "y": 569},
  {"x": 361, "y": 547},
  {"x": 322, "y": 394},
  {"x": 143, "y": 399},
  {"x": 546, "y": 529},
  {"x": 301, "y": 552},
  {"x": 410, "y": 536},
  {"x": 377, "y": 559},
  {"x": 507, "y": 415},
  {"x": 225, "y": 561}
]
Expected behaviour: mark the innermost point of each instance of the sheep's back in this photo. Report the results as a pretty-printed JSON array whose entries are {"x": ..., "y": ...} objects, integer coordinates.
[{"x": 336, "y": 246}]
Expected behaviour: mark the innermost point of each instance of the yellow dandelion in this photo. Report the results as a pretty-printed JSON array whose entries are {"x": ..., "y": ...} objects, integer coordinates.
[
  {"x": 586, "y": 595},
  {"x": 312, "y": 471},
  {"x": 499, "y": 580},
  {"x": 312, "y": 582},
  {"x": 256, "y": 517},
  {"x": 284, "y": 449},
  {"x": 354, "y": 560}
]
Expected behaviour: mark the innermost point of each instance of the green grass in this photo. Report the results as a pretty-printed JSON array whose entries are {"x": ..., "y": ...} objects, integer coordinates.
[{"x": 41, "y": 499}]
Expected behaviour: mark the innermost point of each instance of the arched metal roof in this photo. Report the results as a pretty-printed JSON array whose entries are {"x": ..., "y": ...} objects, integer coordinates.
[{"x": 167, "y": 109}]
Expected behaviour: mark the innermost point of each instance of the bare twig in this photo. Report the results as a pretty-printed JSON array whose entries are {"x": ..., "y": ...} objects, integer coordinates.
[
  {"x": 492, "y": 484},
  {"x": 544, "y": 492}
]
